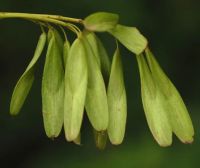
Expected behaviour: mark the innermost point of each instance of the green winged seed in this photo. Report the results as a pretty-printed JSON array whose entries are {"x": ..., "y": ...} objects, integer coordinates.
[
  {"x": 76, "y": 79},
  {"x": 100, "y": 139},
  {"x": 130, "y": 37},
  {"x": 96, "y": 98},
  {"x": 152, "y": 99},
  {"x": 25, "y": 82},
  {"x": 53, "y": 87},
  {"x": 101, "y": 54},
  {"x": 175, "y": 107},
  {"x": 117, "y": 105},
  {"x": 101, "y": 21}
]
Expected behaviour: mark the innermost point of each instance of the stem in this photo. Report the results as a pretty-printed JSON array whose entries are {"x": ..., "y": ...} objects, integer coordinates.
[
  {"x": 55, "y": 19},
  {"x": 42, "y": 17}
]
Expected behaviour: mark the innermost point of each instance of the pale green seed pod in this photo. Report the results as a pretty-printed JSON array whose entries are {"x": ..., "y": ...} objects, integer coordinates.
[
  {"x": 117, "y": 105},
  {"x": 76, "y": 79},
  {"x": 152, "y": 98},
  {"x": 96, "y": 99},
  {"x": 175, "y": 107},
  {"x": 66, "y": 49},
  {"x": 101, "y": 21},
  {"x": 130, "y": 37},
  {"x": 25, "y": 82},
  {"x": 53, "y": 87},
  {"x": 105, "y": 65}
]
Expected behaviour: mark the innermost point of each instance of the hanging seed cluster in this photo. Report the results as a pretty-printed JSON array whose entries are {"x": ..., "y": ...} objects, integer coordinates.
[{"x": 78, "y": 79}]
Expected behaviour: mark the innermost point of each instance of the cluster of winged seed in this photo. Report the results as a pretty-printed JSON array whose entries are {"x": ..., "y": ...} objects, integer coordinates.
[{"x": 79, "y": 77}]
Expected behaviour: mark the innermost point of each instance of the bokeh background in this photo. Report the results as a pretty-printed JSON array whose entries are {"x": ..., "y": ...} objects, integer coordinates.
[{"x": 172, "y": 28}]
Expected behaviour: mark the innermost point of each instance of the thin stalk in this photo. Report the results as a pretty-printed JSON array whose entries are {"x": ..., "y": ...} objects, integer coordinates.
[
  {"x": 43, "y": 18},
  {"x": 39, "y": 17}
]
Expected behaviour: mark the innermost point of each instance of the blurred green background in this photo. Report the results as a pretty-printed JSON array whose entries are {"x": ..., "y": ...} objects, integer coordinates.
[{"x": 172, "y": 28}]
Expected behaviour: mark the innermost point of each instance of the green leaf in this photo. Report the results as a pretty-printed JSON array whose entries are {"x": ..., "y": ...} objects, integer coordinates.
[
  {"x": 117, "y": 105},
  {"x": 53, "y": 87},
  {"x": 25, "y": 82},
  {"x": 76, "y": 79},
  {"x": 100, "y": 139},
  {"x": 175, "y": 107},
  {"x": 101, "y": 21},
  {"x": 96, "y": 99},
  {"x": 130, "y": 37},
  {"x": 101, "y": 54},
  {"x": 152, "y": 99}
]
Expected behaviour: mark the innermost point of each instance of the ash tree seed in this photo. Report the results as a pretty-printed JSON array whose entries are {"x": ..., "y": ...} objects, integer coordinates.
[
  {"x": 117, "y": 105},
  {"x": 25, "y": 82},
  {"x": 66, "y": 49},
  {"x": 53, "y": 86},
  {"x": 76, "y": 79},
  {"x": 101, "y": 21},
  {"x": 96, "y": 99},
  {"x": 152, "y": 98},
  {"x": 130, "y": 37},
  {"x": 104, "y": 63},
  {"x": 175, "y": 107}
]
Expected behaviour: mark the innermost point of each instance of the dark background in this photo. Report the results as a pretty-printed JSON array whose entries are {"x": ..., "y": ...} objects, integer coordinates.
[{"x": 173, "y": 30}]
